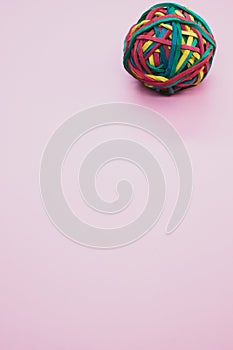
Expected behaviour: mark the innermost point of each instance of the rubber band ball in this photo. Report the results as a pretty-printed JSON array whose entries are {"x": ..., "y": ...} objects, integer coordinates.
[{"x": 171, "y": 48}]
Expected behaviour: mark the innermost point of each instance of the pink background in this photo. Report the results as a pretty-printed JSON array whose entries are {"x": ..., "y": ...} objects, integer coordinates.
[{"x": 162, "y": 292}]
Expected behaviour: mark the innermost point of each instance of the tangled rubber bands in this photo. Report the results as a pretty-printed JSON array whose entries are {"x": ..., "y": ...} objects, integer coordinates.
[{"x": 169, "y": 49}]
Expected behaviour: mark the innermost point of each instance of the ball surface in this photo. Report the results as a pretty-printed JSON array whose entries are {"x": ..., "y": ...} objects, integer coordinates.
[{"x": 169, "y": 49}]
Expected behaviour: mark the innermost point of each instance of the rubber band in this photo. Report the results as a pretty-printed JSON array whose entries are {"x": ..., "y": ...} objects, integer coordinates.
[{"x": 169, "y": 49}]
